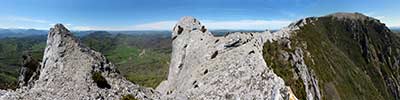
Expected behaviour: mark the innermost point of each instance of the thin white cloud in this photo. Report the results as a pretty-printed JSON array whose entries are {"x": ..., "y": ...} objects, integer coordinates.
[
  {"x": 380, "y": 17},
  {"x": 394, "y": 25},
  {"x": 389, "y": 21},
  {"x": 372, "y": 14},
  {"x": 162, "y": 25},
  {"x": 23, "y": 22},
  {"x": 211, "y": 24},
  {"x": 26, "y": 19},
  {"x": 110, "y": 28},
  {"x": 247, "y": 24}
]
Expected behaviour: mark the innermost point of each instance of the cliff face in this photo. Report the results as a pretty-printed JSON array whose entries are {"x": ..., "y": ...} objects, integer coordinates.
[
  {"x": 29, "y": 72},
  {"x": 230, "y": 67},
  {"x": 350, "y": 55},
  {"x": 72, "y": 71}
]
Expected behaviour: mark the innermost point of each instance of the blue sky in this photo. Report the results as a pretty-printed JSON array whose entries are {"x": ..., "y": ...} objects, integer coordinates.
[{"x": 163, "y": 14}]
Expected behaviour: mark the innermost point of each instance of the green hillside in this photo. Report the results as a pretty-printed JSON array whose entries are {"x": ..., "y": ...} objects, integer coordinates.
[
  {"x": 11, "y": 51},
  {"x": 352, "y": 58}
]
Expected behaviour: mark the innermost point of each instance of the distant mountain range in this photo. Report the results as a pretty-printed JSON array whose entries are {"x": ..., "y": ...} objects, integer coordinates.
[
  {"x": 395, "y": 29},
  {"x": 30, "y": 32},
  {"x": 20, "y": 32}
]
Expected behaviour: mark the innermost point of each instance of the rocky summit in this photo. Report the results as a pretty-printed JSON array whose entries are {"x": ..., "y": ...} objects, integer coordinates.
[
  {"x": 230, "y": 67},
  {"x": 71, "y": 71},
  {"x": 338, "y": 56}
]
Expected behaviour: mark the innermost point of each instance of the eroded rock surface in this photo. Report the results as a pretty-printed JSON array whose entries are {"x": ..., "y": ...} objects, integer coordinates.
[
  {"x": 207, "y": 67},
  {"x": 71, "y": 71},
  {"x": 29, "y": 71},
  {"x": 295, "y": 56}
]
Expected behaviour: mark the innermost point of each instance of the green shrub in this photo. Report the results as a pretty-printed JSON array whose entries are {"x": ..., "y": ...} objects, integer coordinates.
[
  {"x": 100, "y": 80},
  {"x": 128, "y": 97}
]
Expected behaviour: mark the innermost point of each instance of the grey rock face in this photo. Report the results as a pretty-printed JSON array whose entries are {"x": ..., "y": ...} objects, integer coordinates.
[
  {"x": 229, "y": 67},
  {"x": 71, "y": 71},
  {"x": 8, "y": 95},
  {"x": 29, "y": 71},
  {"x": 306, "y": 74}
]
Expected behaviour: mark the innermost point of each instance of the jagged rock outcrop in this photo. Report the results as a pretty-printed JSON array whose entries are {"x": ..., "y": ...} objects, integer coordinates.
[
  {"x": 338, "y": 56},
  {"x": 29, "y": 71},
  {"x": 279, "y": 54},
  {"x": 71, "y": 71},
  {"x": 231, "y": 67}
]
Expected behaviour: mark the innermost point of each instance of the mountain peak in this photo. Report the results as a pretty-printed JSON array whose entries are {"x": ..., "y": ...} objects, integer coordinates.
[
  {"x": 347, "y": 15},
  {"x": 187, "y": 24},
  {"x": 338, "y": 16},
  {"x": 60, "y": 28},
  {"x": 357, "y": 42},
  {"x": 204, "y": 66},
  {"x": 73, "y": 71}
]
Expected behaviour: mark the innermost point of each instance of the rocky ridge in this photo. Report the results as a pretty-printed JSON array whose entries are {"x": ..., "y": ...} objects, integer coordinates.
[
  {"x": 29, "y": 72},
  {"x": 341, "y": 55},
  {"x": 296, "y": 59},
  {"x": 72, "y": 71},
  {"x": 230, "y": 67}
]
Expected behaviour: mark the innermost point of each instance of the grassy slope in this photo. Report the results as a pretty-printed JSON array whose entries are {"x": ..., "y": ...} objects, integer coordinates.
[
  {"x": 148, "y": 69},
  {"x": 142, "y": 59},
  {"x": 338, "y": 61}
]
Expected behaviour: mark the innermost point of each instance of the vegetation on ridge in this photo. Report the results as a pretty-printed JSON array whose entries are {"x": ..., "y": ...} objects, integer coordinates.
[
  {"x": 100, "y": 80},
  {"x": 352, "y": 59},
  {"x": 284, "y": 69},
  {"x": 128, "y": 97}
]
